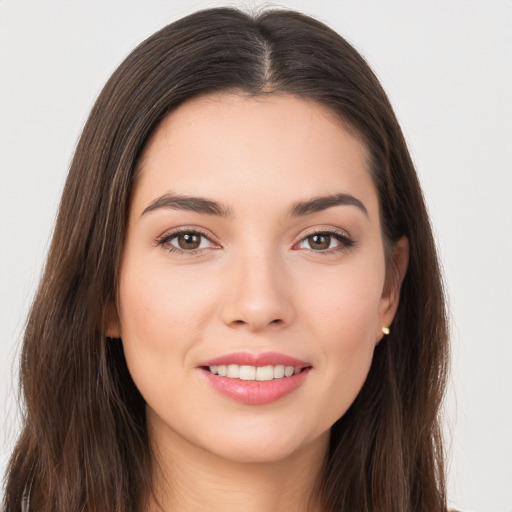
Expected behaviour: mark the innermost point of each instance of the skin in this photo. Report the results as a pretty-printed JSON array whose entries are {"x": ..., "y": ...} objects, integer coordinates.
[{"x": 257, "y": 283}]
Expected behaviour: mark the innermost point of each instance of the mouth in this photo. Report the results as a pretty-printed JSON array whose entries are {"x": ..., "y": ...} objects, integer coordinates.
[
  {"x": 255, "y": 379},
  {"x": 254, "y": 373}
]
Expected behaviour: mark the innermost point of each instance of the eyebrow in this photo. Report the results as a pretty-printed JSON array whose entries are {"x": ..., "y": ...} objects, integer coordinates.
[
  {"x": 189, "y": 203},
  {"x": 318, "y": 204},
  {"x": 210, "y": 207}
]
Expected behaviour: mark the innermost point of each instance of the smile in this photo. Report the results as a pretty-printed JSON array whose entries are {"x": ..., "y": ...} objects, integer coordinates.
[
  {"x": 258, "y": 373},
  {"x": 255, "y": 379}
]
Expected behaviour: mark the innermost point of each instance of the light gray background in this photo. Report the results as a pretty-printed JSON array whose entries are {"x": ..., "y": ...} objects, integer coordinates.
[{"x": 447, "y": 67}]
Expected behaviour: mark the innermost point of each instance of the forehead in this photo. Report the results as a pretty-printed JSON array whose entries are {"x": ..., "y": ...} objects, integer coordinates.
[{"x": 237, "y": 147}]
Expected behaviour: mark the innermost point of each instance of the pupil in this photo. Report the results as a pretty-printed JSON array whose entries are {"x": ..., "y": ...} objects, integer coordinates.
[
  {"x": 320, "y": 241},
  {"x": 189, "y": 241}
]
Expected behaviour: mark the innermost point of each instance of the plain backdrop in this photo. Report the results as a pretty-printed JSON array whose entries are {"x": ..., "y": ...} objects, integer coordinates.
[{"x": 447, "y": 67}]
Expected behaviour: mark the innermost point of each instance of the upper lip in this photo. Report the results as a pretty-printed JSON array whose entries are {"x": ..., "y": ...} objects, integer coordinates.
[{"x": 249, "y": 359}]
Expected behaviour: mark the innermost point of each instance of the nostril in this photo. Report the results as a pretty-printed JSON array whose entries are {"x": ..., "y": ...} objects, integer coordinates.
[{"x": 276, "y": 321}]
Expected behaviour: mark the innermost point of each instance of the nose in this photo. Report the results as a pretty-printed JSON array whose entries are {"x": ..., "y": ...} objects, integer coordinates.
[{"x": 258, "y": 294}]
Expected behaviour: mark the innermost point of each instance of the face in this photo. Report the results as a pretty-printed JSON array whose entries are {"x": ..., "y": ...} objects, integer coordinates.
[{"x": 253, "y": 282}]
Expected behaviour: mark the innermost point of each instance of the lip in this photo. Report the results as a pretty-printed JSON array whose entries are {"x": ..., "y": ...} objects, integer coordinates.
[
  {"x": 249, "y": 359},
  {"x": 255, "y": 392}
]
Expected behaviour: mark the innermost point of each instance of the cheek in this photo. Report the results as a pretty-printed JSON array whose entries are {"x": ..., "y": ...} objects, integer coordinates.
[
  {"x": 344, "y": 319},
  {"x": 155, "y": 302},
  {"x": 157, "y": 330},
  {"x": 345, "y": 304},
  {"x": 146, "y": 318},
  {"x": 162, "y": 315}
]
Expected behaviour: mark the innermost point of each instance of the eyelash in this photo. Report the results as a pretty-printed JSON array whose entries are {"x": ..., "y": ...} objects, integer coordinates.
[
  {"x": 345, "y": 242},
  {"x": 164, "y": 241}
]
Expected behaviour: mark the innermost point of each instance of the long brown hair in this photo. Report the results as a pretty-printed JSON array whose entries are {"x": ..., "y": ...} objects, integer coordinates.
[{"x": 84, "y": 443}]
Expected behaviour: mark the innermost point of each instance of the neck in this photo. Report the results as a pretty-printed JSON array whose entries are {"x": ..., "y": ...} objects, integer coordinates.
[{"x": 188, "y": 478}]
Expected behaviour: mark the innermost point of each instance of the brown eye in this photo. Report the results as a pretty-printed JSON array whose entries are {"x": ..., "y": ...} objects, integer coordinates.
[
  {"x": 326, "y": 242},
  {"x": 188, "y": 241},
  {"x": 319, "y": 241}
]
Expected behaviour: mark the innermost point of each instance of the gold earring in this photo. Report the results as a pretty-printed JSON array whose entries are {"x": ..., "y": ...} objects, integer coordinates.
[{"x": 385, "y": 331}]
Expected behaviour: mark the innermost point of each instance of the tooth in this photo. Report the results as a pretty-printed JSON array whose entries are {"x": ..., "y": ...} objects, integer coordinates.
[
  {"x": 264, "y": 373},
  {"x": 259, "y": 373},
  {"x": 279, "y": 371},
  {"x": 247, "y": 373},
  {"x": 233, "y": 371},
  {"x": 288, "y": 371}
]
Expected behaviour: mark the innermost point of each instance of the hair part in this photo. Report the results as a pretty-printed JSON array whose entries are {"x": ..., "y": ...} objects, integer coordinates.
[{"x": 84, "y": 443}]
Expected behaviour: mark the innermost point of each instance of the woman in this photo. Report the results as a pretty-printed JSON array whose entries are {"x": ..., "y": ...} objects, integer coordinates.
[{"x": 242, "y": 305}]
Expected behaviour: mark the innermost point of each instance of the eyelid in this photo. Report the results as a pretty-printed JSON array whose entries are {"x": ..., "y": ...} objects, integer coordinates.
[
  {"x": 164, "y": 239},
  {"x": 346, "y": 241},
  {"x": 343, "y": 237}
]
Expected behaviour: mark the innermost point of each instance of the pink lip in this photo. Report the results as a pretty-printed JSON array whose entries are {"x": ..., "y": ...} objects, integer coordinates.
[
  {"x": 264, "y": 359},
  {"x": 255, "y": 392}
]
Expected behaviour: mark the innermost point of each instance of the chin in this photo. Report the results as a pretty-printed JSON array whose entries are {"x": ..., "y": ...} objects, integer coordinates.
[{"x": 261, "y": 446}]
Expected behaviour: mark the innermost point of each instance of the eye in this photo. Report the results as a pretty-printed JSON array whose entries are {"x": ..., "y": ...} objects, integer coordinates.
[
  {"x": 325, "y": 241},
  {"x": 186, "y": 241}
]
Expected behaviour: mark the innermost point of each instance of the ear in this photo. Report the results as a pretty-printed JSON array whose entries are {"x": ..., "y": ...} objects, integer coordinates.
[
  {"x": 394, "y": 277},
  {"x": 112, "y": 327}
]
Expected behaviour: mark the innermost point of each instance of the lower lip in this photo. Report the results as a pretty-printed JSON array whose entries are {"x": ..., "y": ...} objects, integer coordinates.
[{"x": 254, "y": 392}]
